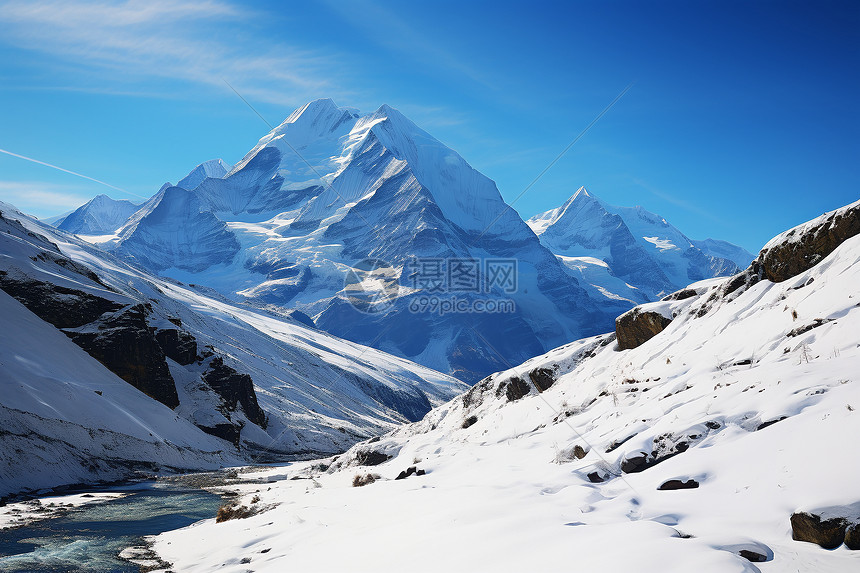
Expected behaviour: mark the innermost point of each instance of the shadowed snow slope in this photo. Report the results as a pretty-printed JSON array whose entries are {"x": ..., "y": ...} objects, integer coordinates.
[
  {"x": 329, "y": 188},
  {"x": 750, "y": 397},
  {"x": 94, "y": 354},
  {"x": 606, "y": 246}
]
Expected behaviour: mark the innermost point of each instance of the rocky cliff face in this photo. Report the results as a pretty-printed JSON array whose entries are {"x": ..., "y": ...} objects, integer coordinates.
[
  {"x": 124, "y": 343},
  {"x": 784, "y": 257},
  {"x": 801, "y": 248},
  {"x": 237, "y": 390}
]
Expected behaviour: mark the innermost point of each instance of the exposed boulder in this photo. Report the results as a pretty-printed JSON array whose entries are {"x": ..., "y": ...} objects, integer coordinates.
[
  {"x": 177, "y": 345},
  {"x": 542, "y": 378},
  {"x": 828, "y": 527},
  {"x": 828, "y": 533},
  {"x": 665, "y": 446},
  {"x": 235, "y": 389},
  {"x": 470, "y": 421},
  {"x": 516, "y": 388},
  {"x": 412, "y": 470},
  {"x": 370, "y": 458},
  {"x": 852, "y": 537},
  {"x": 124, "y": 343},
  {"x": 637, "y": 326},
  {"x": 803, "y": 247},
  {"x": 752, "y": 556},
  {"x": 674, "y": 484}
]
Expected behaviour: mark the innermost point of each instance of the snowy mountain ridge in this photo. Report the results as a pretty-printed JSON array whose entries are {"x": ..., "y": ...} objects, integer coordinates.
[
  {"x": 101, "y": 215},
  {"x": 329, "y": 188},
  {"x": 697, "y": 447},
  {"x": 640, "y": 251},
  {"x": 97, "y": 351}
]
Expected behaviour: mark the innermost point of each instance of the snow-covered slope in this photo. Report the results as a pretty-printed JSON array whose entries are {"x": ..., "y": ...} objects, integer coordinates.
[
  {"x": 689, "y": 452},
  {"x": 67, "y": 419},
  {"x": 330, "y": 188},
  {"x": 639, "y": 249},
  {"x": 267, "y": 384},
  {"x": 98, "y": 216}
]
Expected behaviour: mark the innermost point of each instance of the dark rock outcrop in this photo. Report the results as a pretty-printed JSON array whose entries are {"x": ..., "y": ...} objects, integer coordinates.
[
  {"x": 828, "y": 533},
  {"x": 370, "y": 458},
  {"x": 769, "y": 423},
  {"x": 470, "y": 421},
  {"x": 124, "y": 343},
  {"x": 542, "y": 378},
  {"x": 235, "y": 389},
  {"x": 752, "y": 556},
  {"x": 229, "y": 432},
  {"x": 412, "y": 470},
  {"x": 674, "y": 484},
  {"x": 177, "y": 345},
  {"x": 681, "y": 294},
  {"x": 665, "y": 446},
  {"x": 63, "y": 307},
  {"x": 800, "y": 252},
  {"x": 852, "y": 537},
  {"x": 635, "y": 327},
  {"x": 807, "y": 327},
  {"x": 516, "y": 388}
]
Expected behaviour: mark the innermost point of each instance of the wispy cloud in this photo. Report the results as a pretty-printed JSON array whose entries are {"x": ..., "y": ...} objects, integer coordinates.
[
  {"x": 686, "y": 205},
  {"x": 44, "y": 199},
  {"x": 197, "y": 42}
]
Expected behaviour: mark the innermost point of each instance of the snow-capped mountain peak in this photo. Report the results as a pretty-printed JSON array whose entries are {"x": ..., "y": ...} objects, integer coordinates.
[
  {"x": 215, "y": 168},
  {"x": 330, "y": 187},
  {"x": 98, "y": 216},
  {"x": 638, "y": 246}
]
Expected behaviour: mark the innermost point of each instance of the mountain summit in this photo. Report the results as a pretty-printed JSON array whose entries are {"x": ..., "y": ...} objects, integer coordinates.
[
  {"x": 99, "y": 216},
  {"x": 629, "y": 249},
  {"x": 330, "y": 191}
]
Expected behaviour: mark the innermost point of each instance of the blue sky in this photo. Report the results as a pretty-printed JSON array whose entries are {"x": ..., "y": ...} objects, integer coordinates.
[{"x": 742, "y": 119}]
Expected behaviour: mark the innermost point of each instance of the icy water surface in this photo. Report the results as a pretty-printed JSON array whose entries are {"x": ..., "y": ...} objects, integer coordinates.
[{"x": 89, "y": 539}]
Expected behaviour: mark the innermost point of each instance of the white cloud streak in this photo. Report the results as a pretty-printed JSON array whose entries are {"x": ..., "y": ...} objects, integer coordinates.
[
  {"x": 196, "y": 42},
  {"x": 30, "y": 159},
  {"x": 42, "y": 198}
]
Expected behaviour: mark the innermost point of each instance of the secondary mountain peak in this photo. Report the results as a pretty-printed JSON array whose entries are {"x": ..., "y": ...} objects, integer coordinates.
[
  {"x": 603, "y": 243},
  {"x": 215, "y": 168},
  {"x": 98, "y": 216}
]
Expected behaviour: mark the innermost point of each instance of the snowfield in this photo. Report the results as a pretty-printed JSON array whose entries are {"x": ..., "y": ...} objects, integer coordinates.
[
  {"x": 749, "y": 400},
  {"x": 66, "y": 418}
]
